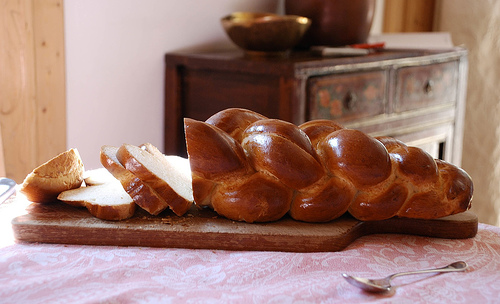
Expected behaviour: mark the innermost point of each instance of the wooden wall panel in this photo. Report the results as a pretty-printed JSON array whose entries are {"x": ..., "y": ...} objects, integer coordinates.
[
  {"x": 394, "y": 14},
  {"x": 408, "y": 16},
  {"x": 17, "y": 88},
  {"x": 2, "y": 162},
  {"x": 48, "y": 22},
  {"x": 32, "y": 86}
]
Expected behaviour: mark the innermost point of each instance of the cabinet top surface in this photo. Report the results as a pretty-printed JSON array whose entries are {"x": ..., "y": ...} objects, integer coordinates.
[{"x": 236, "y": 59}]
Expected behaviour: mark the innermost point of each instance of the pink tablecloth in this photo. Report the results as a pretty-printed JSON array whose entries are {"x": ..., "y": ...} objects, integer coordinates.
[{"x": 44, "y": 273}]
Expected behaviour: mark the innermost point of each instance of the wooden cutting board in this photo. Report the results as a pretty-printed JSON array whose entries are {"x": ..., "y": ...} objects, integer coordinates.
[{"x": 203, "y": 229}]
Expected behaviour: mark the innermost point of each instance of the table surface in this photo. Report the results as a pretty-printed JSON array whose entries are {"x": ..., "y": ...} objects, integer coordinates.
[{"x": 41, "y": 273}]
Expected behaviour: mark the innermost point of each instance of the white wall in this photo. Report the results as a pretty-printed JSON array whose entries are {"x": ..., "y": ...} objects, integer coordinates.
[
  {"x": 115, "y": 62},
  {"x": 114, "y": 59}
]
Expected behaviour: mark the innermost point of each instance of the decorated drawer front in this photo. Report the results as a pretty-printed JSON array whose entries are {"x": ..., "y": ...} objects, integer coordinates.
[
  {"x": 348, "y": 96},
  {"x": 422, "y": 86}
]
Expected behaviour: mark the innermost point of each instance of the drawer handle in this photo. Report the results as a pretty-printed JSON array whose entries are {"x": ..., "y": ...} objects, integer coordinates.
[
  {"x": 429, "y": 86},
  {"x": 350, "y": 100}
]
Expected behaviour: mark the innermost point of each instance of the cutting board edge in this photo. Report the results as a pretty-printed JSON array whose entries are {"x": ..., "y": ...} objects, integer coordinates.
[
  {"x": 458, "y": 226},
  {"x": 53, "y": 234},
  {"x": 35, "y": 226}
]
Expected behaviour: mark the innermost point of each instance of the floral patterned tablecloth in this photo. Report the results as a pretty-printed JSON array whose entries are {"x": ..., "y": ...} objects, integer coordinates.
[{"x": 47, "y": 273}]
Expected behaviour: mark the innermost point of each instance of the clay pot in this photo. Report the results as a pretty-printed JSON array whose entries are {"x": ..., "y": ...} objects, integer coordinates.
[{"x": 334, "y": 22}]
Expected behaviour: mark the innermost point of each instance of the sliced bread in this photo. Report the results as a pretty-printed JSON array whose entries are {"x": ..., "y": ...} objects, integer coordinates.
[
  {"x": 143, "y": 194},
  {"x": 160, "y": 173},
  {"x": 107, "y": 201},
  {"x": 99, "y": 176},
  {"x": 61, "y": 173}
]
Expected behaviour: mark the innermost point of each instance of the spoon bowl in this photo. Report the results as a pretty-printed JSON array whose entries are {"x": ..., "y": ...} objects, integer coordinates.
[{"x": 384, "y": 284}]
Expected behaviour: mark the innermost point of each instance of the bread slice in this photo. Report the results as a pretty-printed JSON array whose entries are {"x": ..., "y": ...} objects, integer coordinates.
[
  {"x": 161, "y": 173},
  {"x": 179, "y": 165},
  {"x": 98, "y": 176},
  {"x": 61, "y": 173},
  {"x": 143, "y": 194},
  {"x": 107, "y": 201}
]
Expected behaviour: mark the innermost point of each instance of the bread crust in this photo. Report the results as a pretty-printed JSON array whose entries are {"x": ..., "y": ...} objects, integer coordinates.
[
  {"x": 213, "y": 154},
  {"x": 116, "y": 208},
  {"x": 234, "y": 121},
  {"x": 360, "y": 158},
  {"x": 111, "y": 213},
  {"x": 62, "y": 172},
  {"x": 142, "y": 194},
  {"x": 325, "y": 200},
  {"x": 256, "y": 198},
  {"x": 278, "y": 148},
  {"x": 317, "y": 130},
  {"x": 141, "y": 162},
  {"x": 329, "y": 169}
]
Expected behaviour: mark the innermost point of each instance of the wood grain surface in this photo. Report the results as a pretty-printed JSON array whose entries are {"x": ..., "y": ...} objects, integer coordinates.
[
  {"x": 32, "y": 84},
  {"x": 203, "y": 229}
]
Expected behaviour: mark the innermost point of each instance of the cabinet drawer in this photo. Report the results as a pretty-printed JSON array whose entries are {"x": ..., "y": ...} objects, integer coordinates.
[
  {"x": 423, "y": 86},
  {"x": 348, "y": 96}
]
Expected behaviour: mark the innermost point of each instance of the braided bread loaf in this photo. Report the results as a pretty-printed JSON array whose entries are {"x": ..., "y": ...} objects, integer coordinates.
[{"x": 250, "y": 168}]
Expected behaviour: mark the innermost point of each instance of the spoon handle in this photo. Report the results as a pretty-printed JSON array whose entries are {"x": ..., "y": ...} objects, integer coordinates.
[{"x": 457, "y": 266}]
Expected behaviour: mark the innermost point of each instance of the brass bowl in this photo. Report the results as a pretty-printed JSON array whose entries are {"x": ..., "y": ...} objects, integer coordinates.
[{"x": 265, "y": 33}]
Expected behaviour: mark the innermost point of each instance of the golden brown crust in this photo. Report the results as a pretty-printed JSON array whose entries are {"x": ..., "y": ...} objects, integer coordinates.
[
  {"x": 105, "y": 201},
  {"x": 61, "y": 173},
  {"x": 328, "y": 168},
  {"x": 423, "y": 205},
  {"x": 374, "y": 206},
  {"x": 204, "y": 190},
  {"x": 453, "y": 191},
  {"x": 277, "y": 148},
  {"x": 254, "y": 198},
  {"x": 416, "y": 165},
  {"x": 234, "y": 121},
  {"x": 317, "y": 130},
  {"x": 142, "y": 194},
  {"x": 149, "y": 169},
  {"x": 323, "y": 201},
  {"x": 456, "y": 184},
  {"x": 356, "y": 156},
  {"x": 178, "y": 203},
  {"x": 111, "y": 213},
  {"x": 391, "y": 143},
  {"x": 213, "y": 153}
]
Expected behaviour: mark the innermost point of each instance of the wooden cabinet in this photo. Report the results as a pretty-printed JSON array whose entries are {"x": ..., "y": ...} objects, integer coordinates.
[
  {"x": 348, "y": 97},
  {"x": 417, "y": 96}
]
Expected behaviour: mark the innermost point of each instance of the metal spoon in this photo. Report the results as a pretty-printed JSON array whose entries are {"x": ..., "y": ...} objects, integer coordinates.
[{"x": 383, "y": 285}]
